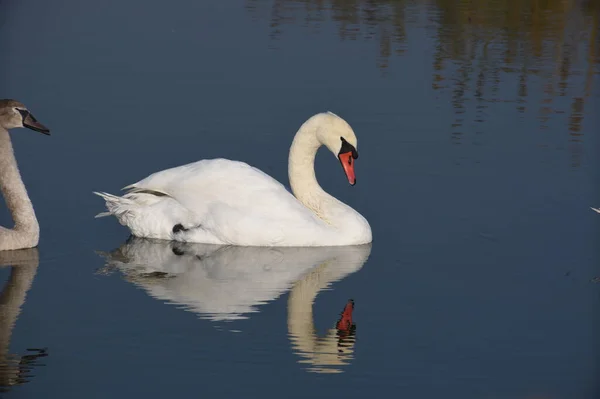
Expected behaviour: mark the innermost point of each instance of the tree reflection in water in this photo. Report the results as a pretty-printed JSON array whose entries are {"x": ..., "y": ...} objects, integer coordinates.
[{"x": 549, "y": 47}]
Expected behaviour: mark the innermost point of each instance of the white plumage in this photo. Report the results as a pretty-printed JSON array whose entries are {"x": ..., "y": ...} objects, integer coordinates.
[{"x": 220, "y": 201}]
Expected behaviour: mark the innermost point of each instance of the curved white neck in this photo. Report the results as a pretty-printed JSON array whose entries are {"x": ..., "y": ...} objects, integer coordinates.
[
  {"x": 301, "y": 168},
  {"x": 301, "y": 171},
  {"x": 26, "y": 230}
]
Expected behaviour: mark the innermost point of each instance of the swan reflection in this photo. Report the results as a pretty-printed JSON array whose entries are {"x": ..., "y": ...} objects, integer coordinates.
[
  {"x": 229, "y": 282},
  {"x": 14, "y": 369}
]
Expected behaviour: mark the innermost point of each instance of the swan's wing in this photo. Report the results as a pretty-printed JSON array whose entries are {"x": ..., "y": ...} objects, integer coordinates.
[
  {"x": 234, "y": 201},
  {"x": 200, "y": 185}
]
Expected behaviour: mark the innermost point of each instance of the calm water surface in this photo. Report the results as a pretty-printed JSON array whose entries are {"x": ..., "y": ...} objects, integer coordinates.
[{"x": 478, "y": 130}]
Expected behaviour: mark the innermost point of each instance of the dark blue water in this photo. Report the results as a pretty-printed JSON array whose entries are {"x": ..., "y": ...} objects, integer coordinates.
[{"x": 478, "y": 132}]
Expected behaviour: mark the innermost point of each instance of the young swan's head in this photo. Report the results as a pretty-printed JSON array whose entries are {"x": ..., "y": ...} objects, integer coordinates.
[
  {"x": 337, "y": 135},
  {"x": 13, "y": 114}
]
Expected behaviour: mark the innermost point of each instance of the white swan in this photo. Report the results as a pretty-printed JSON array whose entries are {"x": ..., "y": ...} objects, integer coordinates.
[
  {"x": 26, "y": 232},
  {"x": 220, "y": 201},
  {"x": 226, "y": 283}
]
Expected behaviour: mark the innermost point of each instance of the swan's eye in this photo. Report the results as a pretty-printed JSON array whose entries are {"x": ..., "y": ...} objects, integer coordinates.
[
  {"x": 347, "y": 147},
  {"x": 22, "y": 112}
]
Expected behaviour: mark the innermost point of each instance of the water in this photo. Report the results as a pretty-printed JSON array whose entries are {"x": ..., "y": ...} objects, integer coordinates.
[{"x": 478, "y": 136}]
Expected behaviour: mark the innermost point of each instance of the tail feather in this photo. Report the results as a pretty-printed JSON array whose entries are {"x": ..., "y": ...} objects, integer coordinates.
[
  {"x": 102, "y": 214},
  {"x": 117, "y": 206}
]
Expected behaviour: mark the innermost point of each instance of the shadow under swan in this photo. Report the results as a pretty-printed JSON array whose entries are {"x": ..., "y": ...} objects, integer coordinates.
[
  {"x": 229, "y": 282},
  {"x": 14, "y": 369}
]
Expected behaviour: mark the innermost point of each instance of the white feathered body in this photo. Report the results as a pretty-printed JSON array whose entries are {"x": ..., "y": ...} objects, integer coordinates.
[{"x": 220, "y": 201}]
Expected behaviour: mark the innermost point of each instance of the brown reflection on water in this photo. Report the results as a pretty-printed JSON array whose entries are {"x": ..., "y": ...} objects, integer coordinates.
[
  {"x": 16, "y": 369},
  {"x": 550, "y": 48},
  {"x": 383, "y": 21}
]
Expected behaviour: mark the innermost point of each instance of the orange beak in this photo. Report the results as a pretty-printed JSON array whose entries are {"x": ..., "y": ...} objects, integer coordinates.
[{"x": 348, "y": 164}]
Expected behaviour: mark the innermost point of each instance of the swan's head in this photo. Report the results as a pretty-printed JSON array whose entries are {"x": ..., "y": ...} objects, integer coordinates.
[
  {"x": 337, "y": 135},
  {"x": 14, "y": 114}
]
